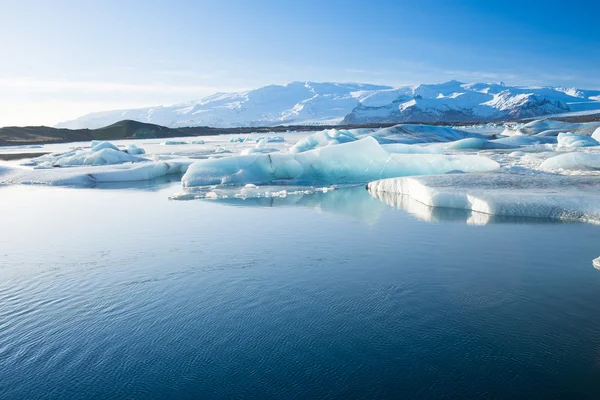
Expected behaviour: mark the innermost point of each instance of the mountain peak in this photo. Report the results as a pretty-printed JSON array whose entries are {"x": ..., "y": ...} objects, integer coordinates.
[{"x": 328, "y": 103}]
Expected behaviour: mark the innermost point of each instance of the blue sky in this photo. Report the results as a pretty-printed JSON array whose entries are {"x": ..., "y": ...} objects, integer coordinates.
[{"x": 61, "y": 59}]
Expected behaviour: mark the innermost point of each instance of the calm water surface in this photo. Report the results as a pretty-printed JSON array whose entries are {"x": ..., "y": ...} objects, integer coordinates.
[{"x": 123, "y": 294}]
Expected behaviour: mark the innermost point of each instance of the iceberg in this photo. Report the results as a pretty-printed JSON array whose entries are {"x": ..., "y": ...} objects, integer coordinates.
[
  {"x": 522, "y": 141},
  {"x": 105, "y": 156},
  {"x": 572, "y": 161},
  {"x": 596, "y": 263},
  {"x": 571, "y": 140},
  {"x": 414, "y": 133},
  {"x": 91, "y": 176},
  {"x": 134, "y": 150},
  {"x": 261, "y": 147},
  {"x": 97, "y": 146},
  {"x": 540, "y": 196},
  {"x": 350, "y": 163},
  {"x": 549, "y": 127},
  {"x": 102, "y": 153},
  {"x": 173, "y": 142},
  {"x": 322, "y": 138},
  {"x": 475, "y": 144}
]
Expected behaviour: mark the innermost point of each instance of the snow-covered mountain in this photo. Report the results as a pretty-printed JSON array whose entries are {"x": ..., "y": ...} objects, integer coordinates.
[{"x": 310, "y": 103}]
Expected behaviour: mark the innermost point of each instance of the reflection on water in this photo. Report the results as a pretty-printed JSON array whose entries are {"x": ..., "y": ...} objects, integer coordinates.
[
  {"x": 354, "y": 201},
  {"x": 349, "y": 201}
]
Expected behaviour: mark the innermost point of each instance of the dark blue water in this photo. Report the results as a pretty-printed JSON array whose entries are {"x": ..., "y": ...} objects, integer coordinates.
[{"x": 123, "y": 294}]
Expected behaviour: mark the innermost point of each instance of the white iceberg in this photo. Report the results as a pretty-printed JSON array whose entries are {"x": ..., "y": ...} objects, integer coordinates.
[
  {"x": 173, "y": 142},
  {"x": 475, "y": 144},
  {"x": 134, "y": 150},
  {"x": 415, "y": 133},
  {"x": 543, "y": 196},
  {"x": 322, "y": 138},
  {"x": 102, "y": 153},
  {"x": 98, "y": 145},
  {"x": 521, "y": 141},
  {"x": 549, "y": 127},
  {"x": 572, "y": 161},
  {"x": 571, "y": 140},
  {"x": 355, "y": 162},
  {"x": 105, "y": 156},
  {"x": 261, "y": 147},
  {"x": 90, "y": 176}
]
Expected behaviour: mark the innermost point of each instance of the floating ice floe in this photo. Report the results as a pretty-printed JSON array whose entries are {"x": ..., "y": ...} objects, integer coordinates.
[
  {"x": 322, "y": 138},
  {"x": 572, "y": 161},
  {"x": 522, "y": 141},
  {"x": 474, "y": 144},
  {"x": 355, "y": 162},
  {"x": 549, "y": 127},
  {"x": 541, "y": 196},
  {"x": 173, "y": 142},
  {"x": 101, "y": 153},
  {"x": 90, "y": 176},
  {"x": 571, "y": 140},
  {"x": 134, "y": 150},
  {"x": 245, "y": 139},
  {"x": 414, "y": 133},
  {"x": 596, "y": 263}
]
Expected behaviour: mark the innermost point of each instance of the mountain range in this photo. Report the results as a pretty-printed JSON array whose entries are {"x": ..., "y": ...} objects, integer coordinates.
[{"x": 312, "y": 103}]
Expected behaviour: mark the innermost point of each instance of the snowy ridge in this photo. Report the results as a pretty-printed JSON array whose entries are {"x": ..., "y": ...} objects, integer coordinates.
[{"x": 311, "y": 103}]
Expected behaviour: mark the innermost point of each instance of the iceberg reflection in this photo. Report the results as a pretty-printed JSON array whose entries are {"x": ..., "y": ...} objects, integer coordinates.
[{"x": 347, "y": 201}]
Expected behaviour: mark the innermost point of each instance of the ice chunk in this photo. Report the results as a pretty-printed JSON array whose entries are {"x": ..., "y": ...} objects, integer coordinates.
[
  {"x": 198, "y": 142},
  {"x": 474, "y": 144},
  {"x": 173, "y": 142},
  {"x": 105, "y": 156},
  {"x": 354, "y": 162},
  {"x": 596, "y": 134},
  {"x": 103, "y": 145},
  {"x": 259, "y": 148},
  {"x": 134, "y": 150},
  {"x": 596, "y": 263},
  {"x": 545, "y": 195},
  {"x": 415, "y": 133},
  {"x": 90, "y": 176},
  {"x": 322, "y": 138},
  {"x": 520, "y": 141},
  {"x": 572, "y": 161},
  {"x": 572, "y": 140},
  {"x": 549, "y": 127}
]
